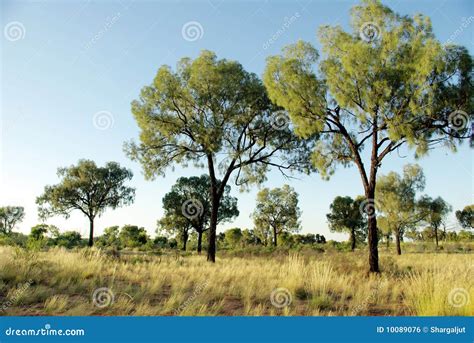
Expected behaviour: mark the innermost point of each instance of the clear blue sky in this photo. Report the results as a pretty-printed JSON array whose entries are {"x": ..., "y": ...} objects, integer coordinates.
[{"x": 76, "y": 58}]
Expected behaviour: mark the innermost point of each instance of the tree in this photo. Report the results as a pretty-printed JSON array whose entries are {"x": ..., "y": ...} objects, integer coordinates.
[
  {"x": 68, "y": 239},
  {"x": 39, "y": 231},
  {"x": 213, "y": 114},
  {"x": 277, "y": 209},
  {"x": 434, "y": 213},
  {"x": 233, "y": 237},
  {"x": 110, "y": 237},
  {"x": 390, "y": 83},
  {"x": 466, "y": 217},
  {"x": 10, "y": 216},
  {"x": 89, "y": 189},
  {"x": 188, "y": 206},
  {"x": 131, "y": 236},
  {"x": 346, "y": 216},
  {"x": 397, "y": 201}
]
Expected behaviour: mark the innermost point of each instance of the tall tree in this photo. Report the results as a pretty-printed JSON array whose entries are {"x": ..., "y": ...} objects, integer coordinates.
[
  {"x": 10, "y": 216},
  {"x": 434, "y": 212},
  {"x": 389, "y": 83},
  {"x": 346, "y": 216},
  {"x": 188, "y": 206},
  {"x": 397, "y": 201},
  {"x": 89, "y": 189},
  {"x": 216, "y": 115},
  {"x": 466, "y": 217},
  {"x": 277, "y": 210}
]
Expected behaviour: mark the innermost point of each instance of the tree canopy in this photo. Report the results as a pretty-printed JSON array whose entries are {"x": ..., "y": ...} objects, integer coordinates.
[
  {"x": 89, "y": 189},
  {"x": 346, "y": 216},
  {"x": 466, "y": 217},
  {"x": 188, "y": 206},
  {"x": 10, "y": 216},
  {"x": 214, "y": 114},
  {"x": 397, "y": 201},
  {"x": 386, "y": 84},
  {"x": 276, "y": 211}
]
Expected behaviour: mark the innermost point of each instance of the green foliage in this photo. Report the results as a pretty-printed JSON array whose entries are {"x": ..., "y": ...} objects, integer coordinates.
[
  {"x": 87, "y": 188},
  {"x": 346, "y": 216},
  {"x": 131, "y": 236},
  {"x": 39, "y": 231},
  {"x": 10, "y": 216},
  {"x": 466, "y": 217},
  {"x": 397, "y": 200},
  {"x": 69, "y": 240},
  {"x": 188, "y": 206},
  {"x": 233, "y": 237},
  {"x": 110, "y": 237},
  {"x": 276, "y": 211}
]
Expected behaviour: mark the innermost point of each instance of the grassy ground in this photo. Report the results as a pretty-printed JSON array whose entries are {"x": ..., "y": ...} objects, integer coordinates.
[{"x": 88, "y": 282}]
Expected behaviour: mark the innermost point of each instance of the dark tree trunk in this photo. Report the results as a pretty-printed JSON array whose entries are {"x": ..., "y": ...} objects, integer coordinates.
[
  {"x": 353, "y": 240},
  {"x": 397, "y": 241},
  {"x": 211, "y": 249},
  {"x": 275, "y": 237},
  {"x": 185, "y": 239},
  {"x": 91, "y": 232},
  {"x": 199, "y": 247},
  {"x": 436, "y": 236},
  {"x": 372, "y": 229},
  {"x": 387, "y": 240}
]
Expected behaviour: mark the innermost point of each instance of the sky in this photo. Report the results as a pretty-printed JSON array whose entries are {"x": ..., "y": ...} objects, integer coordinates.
[{"x": 70, "y": 69}]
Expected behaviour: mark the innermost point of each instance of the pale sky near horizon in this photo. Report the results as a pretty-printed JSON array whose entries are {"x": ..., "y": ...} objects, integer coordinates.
[{"x": 65, "y": 61}]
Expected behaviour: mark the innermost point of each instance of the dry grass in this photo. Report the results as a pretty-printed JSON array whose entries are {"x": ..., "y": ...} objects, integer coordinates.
[{"x": 63, "y": 283}]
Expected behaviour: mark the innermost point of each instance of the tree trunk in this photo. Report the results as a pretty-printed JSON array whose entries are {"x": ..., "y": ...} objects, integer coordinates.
[
  {"x": 211, "y": 249},
  {"x": 353, "y": 240},
  {"x": 387, "y": 240},
  {"x": 372, "y": 230},
  {"x": 275, "y": 235},
  {"x": 436, "y": 237},
  {"x": 397, "y": 241},
  {"x": 199, "y": 247},
  {"x": 91, "y": 232},
  {"x": 185, "y": 240}
]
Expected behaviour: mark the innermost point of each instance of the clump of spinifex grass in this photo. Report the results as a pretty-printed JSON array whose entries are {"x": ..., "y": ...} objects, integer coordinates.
[{"x": 88, "y": 282}]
